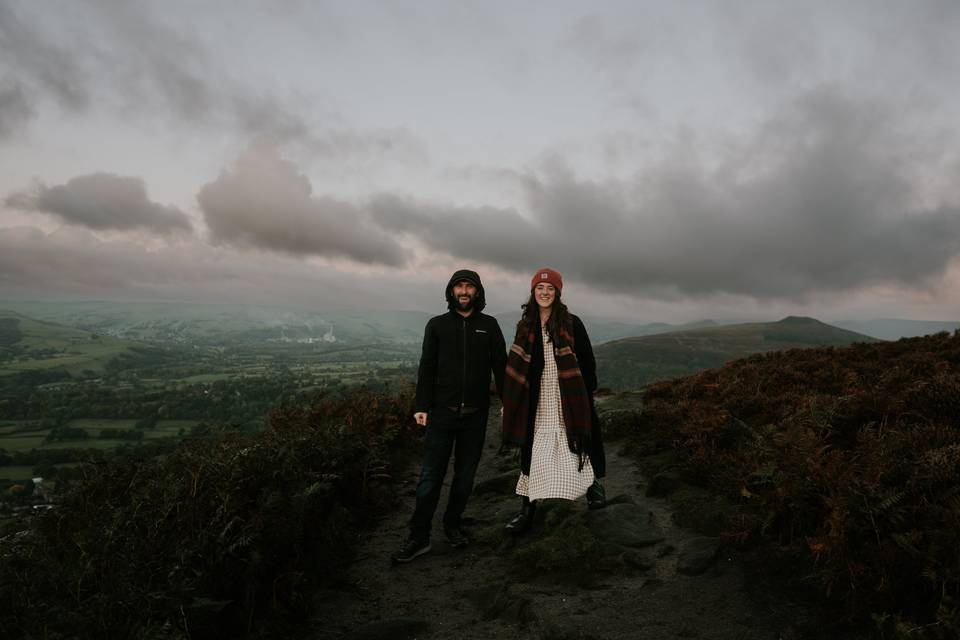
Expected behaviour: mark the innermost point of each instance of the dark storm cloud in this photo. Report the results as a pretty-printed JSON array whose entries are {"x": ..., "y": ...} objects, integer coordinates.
[
  {"x": 119, "y": 58},
  {"x": 818, "y": 201},
  {"x": 16, "y": 108},
  {"x": 40, "y": 61},
  {"x": 103, "y": 201},
  {"x": 265, "y": 202},
  {"x": 75, "y": 262}
]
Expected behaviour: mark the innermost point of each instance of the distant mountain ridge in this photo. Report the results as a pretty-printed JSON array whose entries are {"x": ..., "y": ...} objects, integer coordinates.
[
  {"x": 603, "y": 330},
  {"x": 894, "y": 329},
  {"x": 633, "y": 362}
]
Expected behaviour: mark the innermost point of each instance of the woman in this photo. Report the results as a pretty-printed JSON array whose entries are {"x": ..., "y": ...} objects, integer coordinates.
[{"x": 548, "y": 404}]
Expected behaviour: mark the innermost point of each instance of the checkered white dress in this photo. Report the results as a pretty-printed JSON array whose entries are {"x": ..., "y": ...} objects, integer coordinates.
[{"x": 553, "y": 467}]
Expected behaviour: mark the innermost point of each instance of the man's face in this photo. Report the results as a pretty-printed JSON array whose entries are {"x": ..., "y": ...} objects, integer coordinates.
[{"x": 464, "y": 293}]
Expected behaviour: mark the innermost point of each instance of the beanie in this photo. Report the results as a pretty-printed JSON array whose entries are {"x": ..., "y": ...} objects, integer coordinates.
[{"x": 547, "y": 275}]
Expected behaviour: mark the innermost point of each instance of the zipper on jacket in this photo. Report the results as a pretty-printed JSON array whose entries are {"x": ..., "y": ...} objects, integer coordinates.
[{"x": 463, "y": 380}]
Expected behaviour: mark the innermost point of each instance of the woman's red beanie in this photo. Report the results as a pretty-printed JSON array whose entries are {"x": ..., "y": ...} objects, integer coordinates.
[{"x": 547, "y": 275}]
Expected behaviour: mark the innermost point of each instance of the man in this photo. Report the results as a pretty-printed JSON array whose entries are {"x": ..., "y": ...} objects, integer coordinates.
[{"x": 460, "y": 350}]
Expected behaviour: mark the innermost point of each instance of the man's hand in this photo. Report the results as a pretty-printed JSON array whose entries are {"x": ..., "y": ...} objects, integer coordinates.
[{"x": 421, "y": 418}]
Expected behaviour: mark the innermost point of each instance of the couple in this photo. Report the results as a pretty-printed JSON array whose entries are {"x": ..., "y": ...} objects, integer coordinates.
[{"x": 546, "y": 384}]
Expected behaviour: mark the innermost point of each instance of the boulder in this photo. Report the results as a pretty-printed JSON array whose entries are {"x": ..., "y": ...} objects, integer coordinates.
[
  {"x": 504, "y": 484},
  {"x": 698, "y": 555},
  {"x": 638, "y": 559},
  {"x": 396, "y": 629},
  {"x": 662, "y": 485},
  {"x": 625, "y": 524}
]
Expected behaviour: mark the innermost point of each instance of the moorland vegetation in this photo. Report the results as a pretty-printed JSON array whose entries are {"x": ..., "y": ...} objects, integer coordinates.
[
  {"x": 211, "y": 539},
  {"x": 841, "y": 463}
]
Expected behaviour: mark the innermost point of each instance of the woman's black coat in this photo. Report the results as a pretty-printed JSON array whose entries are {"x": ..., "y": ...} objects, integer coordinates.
[{"x": 588, "y": 367}]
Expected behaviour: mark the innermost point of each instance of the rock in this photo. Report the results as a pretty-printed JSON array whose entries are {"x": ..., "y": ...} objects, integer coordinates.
[
  {"x": 621, "y": 498},
  {"x": 551, "y": 513},
  {"x": 561, "y": 629},
  {"x": 697, "y": 555},
  {"x": 625, "y": 524},
  {"x": 662, "y": 485},
  {"x": 637, "y": 559},
  {"x": 505, "y": 603},
  {"x": 504, "y": 484},
  {"x": 618, "y": 422},
  {"x": 396, "y": 629}
]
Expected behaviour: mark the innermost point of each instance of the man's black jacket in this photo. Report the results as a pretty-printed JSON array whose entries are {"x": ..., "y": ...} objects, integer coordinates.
[{"x": 458, "y": 356}]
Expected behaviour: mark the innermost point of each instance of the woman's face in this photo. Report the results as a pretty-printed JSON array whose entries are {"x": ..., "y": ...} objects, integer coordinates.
[{"x": 544, "y": 293}]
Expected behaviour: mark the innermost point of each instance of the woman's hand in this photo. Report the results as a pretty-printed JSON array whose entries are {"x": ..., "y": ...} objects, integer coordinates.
[{"x": 421, "y": 418}]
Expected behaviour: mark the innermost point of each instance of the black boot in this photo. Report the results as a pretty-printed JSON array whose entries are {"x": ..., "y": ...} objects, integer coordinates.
[
  {"x": 596, "y": 496},
  {"x": 523, "y": 520}
]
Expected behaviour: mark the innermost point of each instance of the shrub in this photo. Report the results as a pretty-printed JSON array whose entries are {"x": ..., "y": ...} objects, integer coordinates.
[
  {"x": 845, "y": 459},
  {"x": 206, "y": 539}
]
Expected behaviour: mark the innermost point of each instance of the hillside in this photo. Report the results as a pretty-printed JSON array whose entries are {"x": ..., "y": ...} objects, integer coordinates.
[
  {"x": 637, "y": 361},
  {"x": 841, "y": 461},
  {"x": 29, "y": 344},
  {"x": 605, "y": 329}
]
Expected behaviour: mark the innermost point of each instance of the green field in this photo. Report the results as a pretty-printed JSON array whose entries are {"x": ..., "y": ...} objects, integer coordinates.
[
  {"x": 92, "y": 443},
  {"x": 27, "y": 440},
  {"x": 16, "y": 473},
  {"x": 205, "y": 377},
  {"x": 22, "y": 442},
  {"x": 93, "y": 425}
]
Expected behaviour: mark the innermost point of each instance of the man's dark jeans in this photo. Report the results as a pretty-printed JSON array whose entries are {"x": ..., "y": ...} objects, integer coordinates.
[{"x": 448, "y": 432}]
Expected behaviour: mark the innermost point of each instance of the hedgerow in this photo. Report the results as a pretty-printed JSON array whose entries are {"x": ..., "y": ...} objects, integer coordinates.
[
  {"x": 207, "y": 540},
  {"x": 846, "y": 459}
]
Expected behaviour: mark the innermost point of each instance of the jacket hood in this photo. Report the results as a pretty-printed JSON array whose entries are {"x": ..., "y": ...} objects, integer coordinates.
[{"x": 470, "y": 276}]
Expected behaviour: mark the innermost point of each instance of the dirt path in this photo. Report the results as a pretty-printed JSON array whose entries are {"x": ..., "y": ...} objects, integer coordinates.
[{"x": 491, "y": 591}]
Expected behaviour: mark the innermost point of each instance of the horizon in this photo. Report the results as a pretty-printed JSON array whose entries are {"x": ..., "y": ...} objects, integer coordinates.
[{"x": 11, "y": 304}]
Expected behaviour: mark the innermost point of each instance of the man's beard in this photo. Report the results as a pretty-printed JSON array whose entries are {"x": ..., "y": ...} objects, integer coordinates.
[{"x": 465, "y": 306}]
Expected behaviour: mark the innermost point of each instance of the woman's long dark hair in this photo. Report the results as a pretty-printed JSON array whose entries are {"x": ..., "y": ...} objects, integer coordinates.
[{"x": 531, "y": 316}]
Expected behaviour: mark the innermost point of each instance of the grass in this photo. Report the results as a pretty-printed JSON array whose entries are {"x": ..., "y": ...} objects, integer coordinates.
[
  {"x": 157, "y": 434},
  {"x": 21, "y": 443},
  {"x": 78, "y": 350},
  {"x": 92, "y": 443},
  {"x": 630, "y": 363},
  {"x": 29, "y": 440},
  {"x": 19, "y": 473},
  {"x": 205, "y": 377},
  {"x": 93, "y": 425}
]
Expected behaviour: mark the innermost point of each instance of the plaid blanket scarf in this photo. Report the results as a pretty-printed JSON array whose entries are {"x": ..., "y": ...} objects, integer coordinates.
[{"x": 575, "y": 400}]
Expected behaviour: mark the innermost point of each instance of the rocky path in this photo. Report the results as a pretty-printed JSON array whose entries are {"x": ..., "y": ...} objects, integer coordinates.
[{"x": 625, "y": 571}]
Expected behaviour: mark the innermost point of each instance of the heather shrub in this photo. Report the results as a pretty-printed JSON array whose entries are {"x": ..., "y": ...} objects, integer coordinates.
[
  {"x": 207, "y": 540},
  {"x": 846, "y": 459}
]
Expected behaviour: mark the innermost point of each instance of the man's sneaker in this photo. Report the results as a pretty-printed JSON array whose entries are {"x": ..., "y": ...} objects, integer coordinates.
[
  {"x": 412, "y": 548},
  {"x": 457, "y": 537}
]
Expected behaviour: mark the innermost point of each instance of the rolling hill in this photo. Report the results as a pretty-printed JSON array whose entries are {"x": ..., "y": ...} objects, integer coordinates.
[
  {"x": 630, "y": 363},
  {"x": 603, "y": 329},
  {"x": 30, "y": 344}
]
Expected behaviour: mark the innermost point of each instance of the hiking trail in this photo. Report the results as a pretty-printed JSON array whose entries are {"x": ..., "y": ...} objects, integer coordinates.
[{"x": 625, "y": 571}]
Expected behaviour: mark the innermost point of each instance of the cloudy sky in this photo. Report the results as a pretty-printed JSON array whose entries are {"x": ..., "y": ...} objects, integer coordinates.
[{"x": 674, "y": 160}]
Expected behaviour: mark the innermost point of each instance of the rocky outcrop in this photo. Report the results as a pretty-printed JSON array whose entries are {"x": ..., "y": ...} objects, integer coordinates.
[
  {"x": 697, "y": 555},
  {"x": 627, "y": 525}
]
